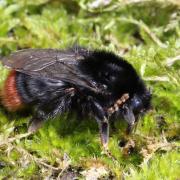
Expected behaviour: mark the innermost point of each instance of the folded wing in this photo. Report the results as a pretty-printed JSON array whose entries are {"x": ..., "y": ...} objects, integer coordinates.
[{"x": 51, "y": 64}]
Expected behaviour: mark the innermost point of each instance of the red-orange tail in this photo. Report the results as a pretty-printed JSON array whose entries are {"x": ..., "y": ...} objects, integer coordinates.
[{"x": 10, "y": 96}]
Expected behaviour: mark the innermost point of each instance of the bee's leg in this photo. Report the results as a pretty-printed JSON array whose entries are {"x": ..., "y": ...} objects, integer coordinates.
[
  {"x": 47, "y": 111},
  {"x": 131, "y": 124},
  {"x": 118, "y": 104},
  {"x": 130, "y": 119},
  {"x": 37, "y": 120},
  {"x": 101, "y": 118},
  {"x": 104, "y": 132},
  {"x": 34, "y": 124},
  {"x": 130, "y": 128}
]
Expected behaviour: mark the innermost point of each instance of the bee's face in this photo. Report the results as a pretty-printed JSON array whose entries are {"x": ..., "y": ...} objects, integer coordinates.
[{"x": 136, "y": 106}]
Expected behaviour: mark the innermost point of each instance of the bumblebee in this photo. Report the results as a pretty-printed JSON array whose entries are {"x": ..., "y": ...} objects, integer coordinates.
[{"x": 93, "y": 83}]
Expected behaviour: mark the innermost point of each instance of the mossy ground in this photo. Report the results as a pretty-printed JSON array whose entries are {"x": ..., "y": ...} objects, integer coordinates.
[{"x": 147, "y": 34}]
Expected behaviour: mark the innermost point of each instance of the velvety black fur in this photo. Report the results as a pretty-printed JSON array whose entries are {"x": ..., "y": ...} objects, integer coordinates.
[{"x": 90, "y": 85}]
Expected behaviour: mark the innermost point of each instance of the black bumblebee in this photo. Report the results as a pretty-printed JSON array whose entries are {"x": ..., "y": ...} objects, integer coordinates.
[{"x": 96, "y": 83}]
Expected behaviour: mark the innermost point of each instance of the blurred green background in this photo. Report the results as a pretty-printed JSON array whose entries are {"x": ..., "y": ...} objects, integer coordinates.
[{"x": 147, "y": 34}]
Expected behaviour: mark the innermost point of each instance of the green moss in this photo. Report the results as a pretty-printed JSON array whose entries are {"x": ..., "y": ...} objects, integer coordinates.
[
  {"x": 147, "y": 35},
  {"x": 164, "y": 166}
]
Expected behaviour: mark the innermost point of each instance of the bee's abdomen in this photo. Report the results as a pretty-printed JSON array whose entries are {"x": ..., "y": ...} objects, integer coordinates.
[{"x": 10, "y": 96}]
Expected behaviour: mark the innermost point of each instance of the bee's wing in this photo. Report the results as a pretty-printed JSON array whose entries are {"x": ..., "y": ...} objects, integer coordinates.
[
  {"x": 37, "y": 59},
  {"x": 49, "y": 63}
]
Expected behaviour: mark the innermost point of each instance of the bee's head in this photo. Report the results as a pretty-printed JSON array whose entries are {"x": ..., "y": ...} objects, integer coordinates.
[
  {"x": 117, "y": 77},
  {"x": 136, "y": 106},
  {"x": 116, "y": 74}
]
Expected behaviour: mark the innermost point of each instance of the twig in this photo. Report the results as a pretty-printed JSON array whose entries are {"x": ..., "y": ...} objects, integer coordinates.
[
  {"x": 129, "y": 2},
  {"x": 18, "y": 137},
  {"x": 121, "y": 4},
  {"x": 151, "y": 149},
  {"x": 37, "y": 160},
  {"x": 157, "y": 78},
  {"x": 170, "y": 61},
  {"x": 153, "y": 145},
  {"x": 67, "y": 161},
  {"x": 7, "y": 40}
]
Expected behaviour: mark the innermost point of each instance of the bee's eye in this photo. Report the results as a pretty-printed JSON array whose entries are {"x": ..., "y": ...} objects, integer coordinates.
[{"x": 137, "y": 105}]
